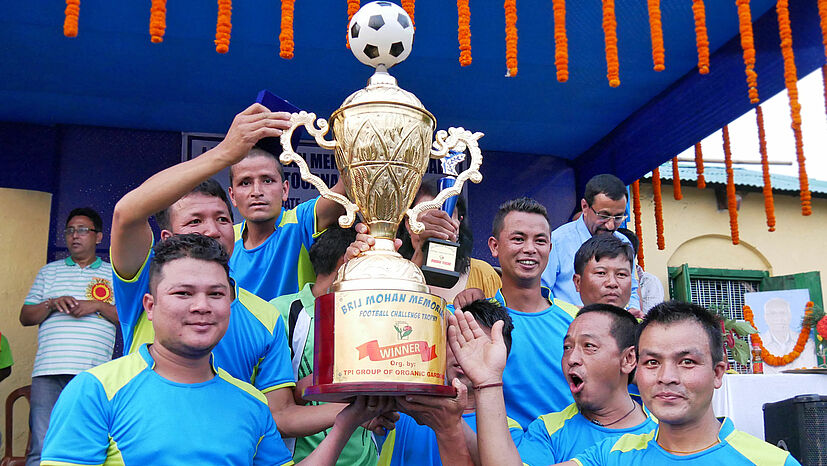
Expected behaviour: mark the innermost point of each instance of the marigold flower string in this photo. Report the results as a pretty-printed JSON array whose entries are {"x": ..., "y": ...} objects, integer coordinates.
[
  {"x": 699, "y": 165},
  {"x": 701, "y": 38},
  {"x": 70, "y": 22},
  {"x": 511, "y": 37},
  {"x": 409, "y": 6},
  {"x": 748, "y": 46},
  {"x": 800, "y": 343},
  {"x": 769, "y": 204},
  {"x": 286, "y": 36},
  {"x": 791, "y": 80},
  {"x": 731, "y": 201},
  {"x": 658, "y": 208},
  {"x": 676, "y": 180},
  {"x": 656, "y": 31},
  {"x": 638, "y": 221},
  {"x": 822, "y": 13},
  {"x": 610, "y": 36},
  {"x": 157, "y": 20},
  {"x": 561, "y": 41},
  {"x": 464, "y": 32},
  {"x": 352, "y": 7},
  {"x": 223, "y": 26}
]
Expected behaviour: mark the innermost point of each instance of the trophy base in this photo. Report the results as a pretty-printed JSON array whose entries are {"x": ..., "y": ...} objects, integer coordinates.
[{"x": 345, "y": 392}]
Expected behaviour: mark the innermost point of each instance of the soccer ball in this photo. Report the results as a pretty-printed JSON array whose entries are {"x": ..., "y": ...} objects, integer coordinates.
[{"x": 380, "y": 33}]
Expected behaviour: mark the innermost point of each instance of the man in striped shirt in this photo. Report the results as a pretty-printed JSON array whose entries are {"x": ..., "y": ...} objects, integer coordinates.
[{"x": 72, "y": 302}]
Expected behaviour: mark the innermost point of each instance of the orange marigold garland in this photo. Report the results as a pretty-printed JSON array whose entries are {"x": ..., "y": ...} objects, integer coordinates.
[
  {"x": 676, "y": 180},
  {"x": 409, "y": 6},
  {"x": 511, "y": 37},
  {"x": 70, "y": 22},
  {"x": 769, "y": 204},
  {"x": 656, "y": 29},
  {"x": 731, "y": 201},
  {"x": 658, "y": 208},
  {"x": 791, "y": 79},
  {"x": 286, "y": 36},
  {"x": 822, "y": 13},
  {"x": 699, "y": 165},
  {"x": 701, "y": 38},
  {"x": 770, "y": 358},
  {"x": 223, "y": 26},
  {"x": 638, "y": 221},
  {"x": 464, "y": 32},
  {"x": 610, "y": 35},
  {"x": 352, "y": 7},
  {"x": 748, "y": 46},
  {"x": 157, "y": 20},
  {"x": 561, "y": 41}
]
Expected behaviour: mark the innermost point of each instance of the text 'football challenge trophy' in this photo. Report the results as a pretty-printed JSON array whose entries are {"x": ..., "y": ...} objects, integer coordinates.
[{"x": 380, "y": 331}]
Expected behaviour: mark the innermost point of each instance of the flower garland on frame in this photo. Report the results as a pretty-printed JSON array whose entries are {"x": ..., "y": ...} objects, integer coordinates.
[
  {"x": 223, "y": 26},
  {"x": 610, "y": 37},
  {"x": 790, "y": 80},
  {"x": 511, "y": 37},
  {"x": 656, "y": 30},
  {"x": 701, "y": 37},
  {"x": 658, "y": 208},
  {"x": 70, "y": 22},
  {"x": 676, "y": 180},
  {"x": 822, "y": 13},
  {"x": 638, "y": 222},
  {"x": 561, "y": 41},
  {"x": 699, "y": 165},
  {"x": 748, "y": 46},
  {"x": 464, "y": 32},
  {"x": 769, "y": 203},
  {"x": 770, "y": 358},
  {"x": 157, "y": 20},
  {"x": 286, "y": 43},
  {"x": 731, "y": 200},
  {"x": 352, "y": 7}
]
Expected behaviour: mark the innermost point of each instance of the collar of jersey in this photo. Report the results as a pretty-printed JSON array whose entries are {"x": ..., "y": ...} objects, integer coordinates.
[{"x": 94, "y": 265}]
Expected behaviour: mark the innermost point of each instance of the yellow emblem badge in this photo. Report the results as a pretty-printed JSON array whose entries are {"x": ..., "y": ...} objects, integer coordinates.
[{"x": 100, "y": 289}]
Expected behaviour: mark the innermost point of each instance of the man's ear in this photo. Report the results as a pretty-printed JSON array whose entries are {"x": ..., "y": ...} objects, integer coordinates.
[
  {"x": 492, "y": 245},
  {"x": 720, "y": 369},
  {"x": 285, "y": 189},
  {"x": 166, "y": 234},
  {"x": 628, "y": 360},
  {"x": 583, "y": 205},
  {"x": 149, "y": 306},
  {"x": 98, "y": 237},
  {"x": 576, "y": 279},
  {"x": 232, "y": 197}
]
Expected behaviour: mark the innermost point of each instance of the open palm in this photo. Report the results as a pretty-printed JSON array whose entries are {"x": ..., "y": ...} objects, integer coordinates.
[{"x": 482, "y": 358}]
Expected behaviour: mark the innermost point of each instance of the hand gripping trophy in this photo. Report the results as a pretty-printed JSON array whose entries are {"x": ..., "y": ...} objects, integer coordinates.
[{"x": 380, "y": 331}]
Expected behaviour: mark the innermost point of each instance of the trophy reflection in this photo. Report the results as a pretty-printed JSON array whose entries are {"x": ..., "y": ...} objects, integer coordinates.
[{"x": 379, "y": 331}]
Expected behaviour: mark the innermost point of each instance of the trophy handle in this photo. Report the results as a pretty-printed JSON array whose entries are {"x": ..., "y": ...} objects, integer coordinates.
[
  {"x": 454, "y": 139},
  {"x": 289, "y": 155}
]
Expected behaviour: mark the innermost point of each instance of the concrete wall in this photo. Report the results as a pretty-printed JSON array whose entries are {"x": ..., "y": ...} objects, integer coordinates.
[{"x": 24, "y": 235}]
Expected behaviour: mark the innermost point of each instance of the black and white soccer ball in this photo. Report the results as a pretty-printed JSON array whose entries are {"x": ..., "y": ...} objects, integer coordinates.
[{"x": 381, "y": 33}]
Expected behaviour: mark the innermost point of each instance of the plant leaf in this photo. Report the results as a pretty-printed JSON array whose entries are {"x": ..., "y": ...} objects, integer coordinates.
[
  {"x": 741, "y": 352},
  {"x": 743, "y": 328}
]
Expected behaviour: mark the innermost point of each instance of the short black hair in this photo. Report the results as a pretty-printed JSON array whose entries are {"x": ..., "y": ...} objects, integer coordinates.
[
  {"x": 262, "y": 150},
  {"x": 671, "y": 312},
  {"x": 631, "y": 236},
  {"x": 88, "y": 212},
  {"x": 624, "y": 326},
  {"x": 209, "y": 187},
  {"x": 487, "y": 313},
  {"x": 521, "y": 204},
  {"x": 329, "y": 247},
  {"x": 190, "y": 245},
  {"x": 600, "y": 246},
  {"x": 607, "y": 184}
]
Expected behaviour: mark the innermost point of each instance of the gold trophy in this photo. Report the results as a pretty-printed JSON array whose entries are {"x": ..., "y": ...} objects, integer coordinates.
[{"x": 379, "y": 331}]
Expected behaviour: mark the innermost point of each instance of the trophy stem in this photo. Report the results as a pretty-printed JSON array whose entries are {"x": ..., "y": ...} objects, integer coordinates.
[{"x": 383, "y": 244}]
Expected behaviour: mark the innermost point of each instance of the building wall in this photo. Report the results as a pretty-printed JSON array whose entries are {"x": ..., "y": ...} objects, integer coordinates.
[
  {"x": 24, "y": 235},
  {"x": 697, "y": 233}
]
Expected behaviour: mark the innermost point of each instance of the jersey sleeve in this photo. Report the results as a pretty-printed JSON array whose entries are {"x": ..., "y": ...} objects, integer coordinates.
[
  {"x": 306, "y": 216},
  {"x": 536, "y": 446},
  {"x": 275, "y": 369},
  {"x": 35, "y": 295},
  {"x": 129, "y": 295},
  {"x": 79, "y": 426},
  {"x": 271, "y": 449}
]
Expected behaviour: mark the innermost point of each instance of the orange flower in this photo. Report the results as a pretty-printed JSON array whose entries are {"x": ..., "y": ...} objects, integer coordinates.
[
  {"x": 731, "y": 201},
  {"x": 286, "y": 36},
  {"x": 676, "y": 180},
  {"x": 223, "y": 26},
  {"x": 409, "y": 6},
  {"x": 791, "y": 79},
  {"x": 157, "y": 20},
  {"x": 747, "y": 44},
  {"x": 770, "y": 358},
  {"x": 561, "y": 41},
  {"x": 701, "y": 38},
  {"x": 464, "y": 32},
  {"x": 638, "y": 222},
  {"x": 699, "y": 165},
  {"x": 70, "y": 22},
  {"x": 352, "y": 8},
  {"x": 610, "y": 35},
  {"x": 822, "y": 13},
  {"x": 658, "y": 208},
  {"x": 511, "y": 37},
  {"x": 769, "y": 206},
  {"x": 656, "y": 29}
]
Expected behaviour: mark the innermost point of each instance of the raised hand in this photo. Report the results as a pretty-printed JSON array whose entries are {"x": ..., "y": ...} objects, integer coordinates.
[
  {"x": 248, "y": 127},
  {"x": 481, "y": 358}
]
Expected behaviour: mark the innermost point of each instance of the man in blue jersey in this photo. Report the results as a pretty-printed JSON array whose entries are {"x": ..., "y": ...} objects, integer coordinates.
[
  {"x": 255, "y": 344},
  {"x": 603, "y": 268},
  {"x": 680, "y": 364},
  {"x": 167, "y": 404},
  {"x": 270, "y": 257}
]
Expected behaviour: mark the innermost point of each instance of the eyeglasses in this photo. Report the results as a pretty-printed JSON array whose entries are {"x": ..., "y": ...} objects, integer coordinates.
[
  {"x": 81, "y": 231},
  {"x": 603, "y": 218}
]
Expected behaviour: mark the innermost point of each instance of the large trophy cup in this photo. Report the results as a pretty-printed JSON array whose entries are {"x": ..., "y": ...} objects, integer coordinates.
[{"x": 379, "y": 331}]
